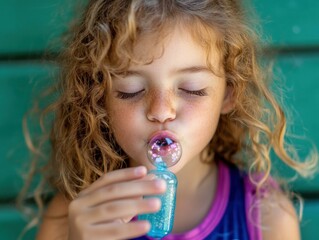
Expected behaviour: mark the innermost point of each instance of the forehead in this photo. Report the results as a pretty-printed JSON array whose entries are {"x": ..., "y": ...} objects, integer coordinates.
[{"x": 181, "y": 42}]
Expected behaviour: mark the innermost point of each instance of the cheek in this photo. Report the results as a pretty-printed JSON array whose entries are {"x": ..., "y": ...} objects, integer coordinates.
[
  {"x": 203, "y": 114},
  {"x": 120, "y": 122},
  {"x": 122, "y": 115},
  {"x": 202, "y": 121},
  {"x": 116, "y": 119},
  {"x": 125, "y": 123}
]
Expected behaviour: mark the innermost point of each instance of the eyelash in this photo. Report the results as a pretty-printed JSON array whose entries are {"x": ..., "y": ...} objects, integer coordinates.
[
  {"x": 201, "y": 92},
  {"x": 124, "y": 95}
]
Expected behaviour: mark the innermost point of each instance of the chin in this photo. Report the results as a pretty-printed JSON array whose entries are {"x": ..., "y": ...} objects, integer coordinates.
[{"x": 176, "y": 168}]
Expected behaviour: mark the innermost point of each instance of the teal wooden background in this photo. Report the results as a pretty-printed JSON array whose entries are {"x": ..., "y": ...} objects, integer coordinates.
[{"x": 29, "y": 28}]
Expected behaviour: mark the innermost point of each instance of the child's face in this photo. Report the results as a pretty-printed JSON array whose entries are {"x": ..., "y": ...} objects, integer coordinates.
[{"x": 175, "y": 94}]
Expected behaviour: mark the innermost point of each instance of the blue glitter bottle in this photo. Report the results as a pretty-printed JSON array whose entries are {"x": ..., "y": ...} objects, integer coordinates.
[{"x": 163, "y": 153}]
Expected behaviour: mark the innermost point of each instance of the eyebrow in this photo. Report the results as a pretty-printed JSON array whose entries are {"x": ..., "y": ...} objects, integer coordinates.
[{"x": 191, "y": 69}]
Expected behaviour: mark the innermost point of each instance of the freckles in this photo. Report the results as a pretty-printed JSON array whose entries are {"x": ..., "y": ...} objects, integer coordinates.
[
  {"x": 197, "y": 107},
  {"x": 116, "y": 116},
  {"x": 163, "y": 98},
  {"x": 189, "y": 109},
  {"x": 202, "y": 114},
  {"x": 121, "y": 119}
]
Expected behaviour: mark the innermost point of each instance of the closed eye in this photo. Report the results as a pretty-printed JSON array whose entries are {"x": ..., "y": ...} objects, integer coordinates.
[
  {"x": 125, "y": 95},
  {"x": 201, "y": 92}
]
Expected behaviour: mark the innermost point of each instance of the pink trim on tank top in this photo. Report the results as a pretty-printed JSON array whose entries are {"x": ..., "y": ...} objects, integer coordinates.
[
  {"x": 252, "y": 203},
  {"x": 216, "y": 212},
  {"x": 252, "y": 211}
]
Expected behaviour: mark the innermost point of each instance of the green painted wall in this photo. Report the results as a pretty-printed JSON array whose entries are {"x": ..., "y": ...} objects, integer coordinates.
[{"x": 30, "y": 28}]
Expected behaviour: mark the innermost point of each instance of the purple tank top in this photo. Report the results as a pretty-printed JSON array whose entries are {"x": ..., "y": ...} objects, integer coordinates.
[{"x": 232, "y": 214}]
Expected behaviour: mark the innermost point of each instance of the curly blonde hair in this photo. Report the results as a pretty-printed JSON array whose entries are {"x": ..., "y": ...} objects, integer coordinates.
[{"x": 101, "y": 46}]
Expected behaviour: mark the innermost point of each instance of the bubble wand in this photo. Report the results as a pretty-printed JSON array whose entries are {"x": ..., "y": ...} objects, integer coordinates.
[{"x": 163, "y": 152}]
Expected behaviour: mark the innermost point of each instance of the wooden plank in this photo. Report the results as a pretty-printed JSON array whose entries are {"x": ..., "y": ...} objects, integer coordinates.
[
  {"x": 29, "y": 27},
  {"x": 310, "y": 220},
  {"x": 13, "y": 222},
  {"x": 18, "y": 84},
  {"x": 289, "y": 22},
  {"x": 301, "y": 81}
]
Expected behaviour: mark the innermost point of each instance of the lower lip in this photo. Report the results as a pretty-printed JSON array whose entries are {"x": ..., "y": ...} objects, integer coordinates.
[{"x": 161, "y": 135}]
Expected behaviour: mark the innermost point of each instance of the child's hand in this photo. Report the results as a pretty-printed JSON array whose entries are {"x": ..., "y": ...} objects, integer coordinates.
[{"x": 104, "y": 210}]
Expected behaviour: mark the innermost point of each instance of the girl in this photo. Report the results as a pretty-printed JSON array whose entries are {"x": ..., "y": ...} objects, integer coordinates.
[{"x": 180, "y": 68}]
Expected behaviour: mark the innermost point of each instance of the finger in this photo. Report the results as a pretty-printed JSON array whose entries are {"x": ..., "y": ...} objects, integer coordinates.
[
  {"x": 148, "y": 177},
  {"x": 124, "y": 190},
  {"x": 120, "y": 231},
  {"x": 121, "y": 175},
  {"x": 122, "y": 209}
]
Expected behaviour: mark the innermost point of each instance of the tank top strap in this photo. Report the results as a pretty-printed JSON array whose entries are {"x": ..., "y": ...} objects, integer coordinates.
[
  {"x": 217, "y": 209},
  {"x": 252, "y": 203}
]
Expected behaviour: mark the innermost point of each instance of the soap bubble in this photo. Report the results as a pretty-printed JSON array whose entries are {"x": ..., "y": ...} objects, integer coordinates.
[{"x": 164, "y": 152}]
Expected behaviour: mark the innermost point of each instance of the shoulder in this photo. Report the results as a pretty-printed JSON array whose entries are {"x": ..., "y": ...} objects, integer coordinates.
[
  {"x": 271, "y": 214},
  {"x": 54, "y": 222},
  {"x": 278, "y": 217}
]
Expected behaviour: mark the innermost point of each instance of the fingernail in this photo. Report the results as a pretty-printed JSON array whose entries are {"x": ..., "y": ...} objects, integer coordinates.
[
  {"x": 154, "y": 203},
  {"x": 143, "y": 225},
  {"x": 151, "y": 176},
  {"x": 159, "y": 183},
  {"x": 139, "y": 171}
]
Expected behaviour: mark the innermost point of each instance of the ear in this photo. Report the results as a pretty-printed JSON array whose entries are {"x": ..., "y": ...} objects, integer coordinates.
[{"x": 228, "y": 102}]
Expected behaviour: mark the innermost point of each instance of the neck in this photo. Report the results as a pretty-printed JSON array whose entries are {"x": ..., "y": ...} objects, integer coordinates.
[
  {"x": 195, "y": 193},
  {"x": 193, "y": 176}
]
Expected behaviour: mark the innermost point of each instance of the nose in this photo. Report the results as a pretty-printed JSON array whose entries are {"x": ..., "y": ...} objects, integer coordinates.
[{"x": 161, "y": 107}]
